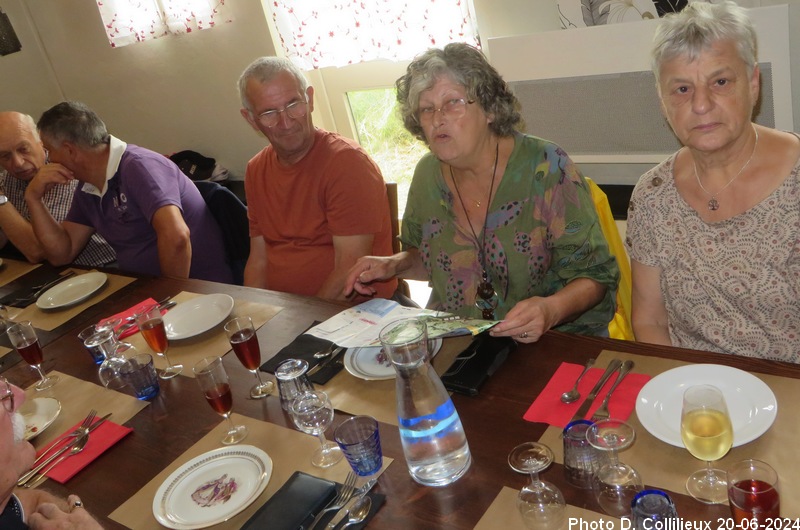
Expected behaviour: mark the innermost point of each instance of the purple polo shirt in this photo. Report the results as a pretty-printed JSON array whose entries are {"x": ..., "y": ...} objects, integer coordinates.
[{"x": 144, "y": 182}]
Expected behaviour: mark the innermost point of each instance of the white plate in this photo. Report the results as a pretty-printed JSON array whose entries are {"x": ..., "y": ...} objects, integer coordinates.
[
  {"x": 248, "y": 467},
  {"x": 38, "y": 414},
  {"x": 197, "y": 315},
  {"x": 374, "y": 365},
  {"x": 71, "y": 291},
  {"x": 751, "y": 403}
]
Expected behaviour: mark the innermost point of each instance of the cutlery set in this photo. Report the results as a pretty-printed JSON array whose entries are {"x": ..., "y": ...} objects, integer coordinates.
[
  {"x": 350, "y": 503},
  {"x": 37, "y": 291},
  {"x": 79, "y": 438},
  {"x": 331, "y": 359},
  {"x": 616, "y": 365}
]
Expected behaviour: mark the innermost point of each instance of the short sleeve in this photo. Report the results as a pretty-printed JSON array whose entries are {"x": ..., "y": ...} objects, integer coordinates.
[{"x": 640, "y": 240}]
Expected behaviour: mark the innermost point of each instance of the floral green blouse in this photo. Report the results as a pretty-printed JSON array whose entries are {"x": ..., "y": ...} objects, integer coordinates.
[{"x": 542, "y": 232}]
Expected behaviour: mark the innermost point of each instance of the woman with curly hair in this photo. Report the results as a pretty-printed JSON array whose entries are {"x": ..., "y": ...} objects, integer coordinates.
[{"x": 501, "y": 223}]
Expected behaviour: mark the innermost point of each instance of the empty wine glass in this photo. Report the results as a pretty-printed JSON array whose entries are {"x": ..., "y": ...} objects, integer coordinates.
[
  {"x": 152, "y": 327},
  {"x": 312, "y": 412},
  {"x": 540, "y": 503},
  {"x": 213, "y": 380},
  {"x": 615, "y": 484},
  {"x": 23, "y": 338},
  {"x": 707, "y": 433},
  {"x": 244, "y": 341}
]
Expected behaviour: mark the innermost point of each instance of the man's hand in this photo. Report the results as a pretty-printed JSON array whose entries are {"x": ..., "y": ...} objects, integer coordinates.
[
  {"x": 48, "y": 176},
  {"x": 48, "y": 516}
]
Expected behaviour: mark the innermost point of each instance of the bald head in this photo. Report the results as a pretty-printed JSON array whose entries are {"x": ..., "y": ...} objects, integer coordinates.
[{"x": 21, "y": 150}]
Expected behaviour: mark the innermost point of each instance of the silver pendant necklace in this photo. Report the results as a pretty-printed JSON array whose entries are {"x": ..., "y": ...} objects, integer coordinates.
[{"x": 713, "y": 203}]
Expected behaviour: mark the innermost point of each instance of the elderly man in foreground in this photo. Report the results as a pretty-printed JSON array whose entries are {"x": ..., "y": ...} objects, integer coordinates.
[
  {"x": 33, "y": 509},
  {"x": 316, "y": 201},
  {"x": 139, "y": 201},
  {"x": 21, "y": 156}
]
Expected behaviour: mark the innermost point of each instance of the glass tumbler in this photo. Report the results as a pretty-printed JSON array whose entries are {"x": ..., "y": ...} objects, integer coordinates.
[
  {"x": 292, "y": 380},
  {"x": 580, "y": 458}
]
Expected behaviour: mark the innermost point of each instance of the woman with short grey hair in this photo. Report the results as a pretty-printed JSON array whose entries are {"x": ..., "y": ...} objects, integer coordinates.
[{"x": 713, "y": 230}]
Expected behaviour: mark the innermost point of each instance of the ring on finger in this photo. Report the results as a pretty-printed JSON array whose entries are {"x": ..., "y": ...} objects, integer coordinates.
[{"x": 523, "y": 335}]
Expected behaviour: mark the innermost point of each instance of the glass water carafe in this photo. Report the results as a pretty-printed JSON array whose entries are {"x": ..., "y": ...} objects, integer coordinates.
[{"x": 433, "y": 439}]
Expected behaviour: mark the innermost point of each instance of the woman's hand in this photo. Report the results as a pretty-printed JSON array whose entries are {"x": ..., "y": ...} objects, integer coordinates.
[
  {"x": 366, "y": 270},
  {"x": 48, "y": 516},
  {"x": 527, "y": 321}
]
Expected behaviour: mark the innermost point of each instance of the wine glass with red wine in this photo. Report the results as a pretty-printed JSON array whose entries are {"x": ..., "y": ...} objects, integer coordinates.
[
  {"x": 24, "y": 339},
  {"x": 213, "y": 380},
  {"x": 152, "y": 327},
  {"x": 244, "y": 341}
]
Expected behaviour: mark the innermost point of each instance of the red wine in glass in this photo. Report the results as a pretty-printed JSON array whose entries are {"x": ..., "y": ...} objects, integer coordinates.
[
  {"x": 32, "y": 353},
  {"x": 754, "y": 499},
  {"x": 244, "y": 341},
  {"x": 220, "y": 398},
  {"x": 23, "y": 337},
  {"x": 245, "y": 345}
]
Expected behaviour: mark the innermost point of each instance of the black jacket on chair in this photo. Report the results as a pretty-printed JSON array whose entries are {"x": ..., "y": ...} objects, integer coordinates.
[{"x": 231, "y": 215}]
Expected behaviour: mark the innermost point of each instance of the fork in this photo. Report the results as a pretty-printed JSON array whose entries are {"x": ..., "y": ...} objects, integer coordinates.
[
  {"x": 80, "y": 430},
  {"x": 346, "y": 491},
  {"x": 602, "y": 412},
  {"x": 41, "y": 289},
  {"x": 77, "y": 448}
]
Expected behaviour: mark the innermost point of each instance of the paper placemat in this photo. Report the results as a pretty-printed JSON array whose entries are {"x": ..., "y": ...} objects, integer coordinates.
[
  {"x": 13, "y": 269},
  {"x": 77, "y": 398},
  {"x": 212, "y": 342},
  {"x": 377, "y": 398},
  {"x": 503, "y": 513},
  {"x": 4, "y": 351},
  {"x": 50, "y": 320},
  {"x": 667, "y": 467},
  {"x": 289, "y": 450}
]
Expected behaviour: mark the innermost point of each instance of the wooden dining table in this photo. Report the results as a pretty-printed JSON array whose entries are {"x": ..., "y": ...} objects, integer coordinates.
[{"x": 493, "y": 420}]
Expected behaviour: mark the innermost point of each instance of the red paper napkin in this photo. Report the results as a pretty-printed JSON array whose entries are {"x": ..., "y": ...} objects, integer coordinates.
[
  {"x": 100, "y": 439},
  {"x": 127, "y": 313},
  {"x": 548, "y": 408}
]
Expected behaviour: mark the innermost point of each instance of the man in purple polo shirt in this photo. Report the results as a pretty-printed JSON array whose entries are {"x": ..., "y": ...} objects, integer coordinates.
[{"x": 150, "y": 213}]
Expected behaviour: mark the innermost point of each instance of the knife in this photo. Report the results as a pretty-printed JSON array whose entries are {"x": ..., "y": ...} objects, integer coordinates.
[
  {"x": 613, "y": 366},
  {"x": 342, "y": 513},
  {"x": 27, "y": 476},
  {"x": 327, "y": 361}
]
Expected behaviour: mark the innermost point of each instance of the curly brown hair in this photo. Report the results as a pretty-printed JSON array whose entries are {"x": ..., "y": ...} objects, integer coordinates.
[{"x": 468, "y": 67}]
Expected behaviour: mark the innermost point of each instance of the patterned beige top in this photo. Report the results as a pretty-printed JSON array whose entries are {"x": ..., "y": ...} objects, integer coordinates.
[{"x": 731, "y": 286}]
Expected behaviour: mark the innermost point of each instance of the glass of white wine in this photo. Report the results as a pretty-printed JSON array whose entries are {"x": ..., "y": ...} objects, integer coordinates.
[{"x": 707, "y": 433}]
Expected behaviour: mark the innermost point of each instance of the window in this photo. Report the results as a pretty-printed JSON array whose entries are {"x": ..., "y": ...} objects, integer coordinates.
[
  {"x": 320, "y": 33},
  {"x": 129, "y": 21},
  {"x": 381, "y": 133}
]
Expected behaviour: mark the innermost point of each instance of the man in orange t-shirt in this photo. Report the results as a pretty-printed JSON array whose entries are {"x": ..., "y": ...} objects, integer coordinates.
[{"x": 316, "y": 201}]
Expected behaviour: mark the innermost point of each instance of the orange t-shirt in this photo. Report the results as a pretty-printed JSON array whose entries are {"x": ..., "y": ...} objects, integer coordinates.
[{"x": 335, "y": 190}]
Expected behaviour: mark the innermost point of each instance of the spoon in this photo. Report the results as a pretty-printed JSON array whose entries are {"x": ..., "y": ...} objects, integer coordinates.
[
  {"x": 572, "y": 395},
  {"x": 324, "y": 353},
  {"x": 359, "y": 511}
]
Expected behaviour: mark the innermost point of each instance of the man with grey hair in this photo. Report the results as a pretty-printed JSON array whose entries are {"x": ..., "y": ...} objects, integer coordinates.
[
  {"x": 316, "y": 201},
  {"x": 21, "y": 156},
  {"x": 139, "y": 201}
]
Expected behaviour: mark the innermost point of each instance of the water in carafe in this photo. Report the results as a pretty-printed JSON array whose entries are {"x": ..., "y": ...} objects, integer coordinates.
[{"x": 433, "y": 439}]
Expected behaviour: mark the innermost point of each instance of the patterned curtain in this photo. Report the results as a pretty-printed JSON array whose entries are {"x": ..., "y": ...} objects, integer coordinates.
[
  {"x": 320, "y": 33},
  {"x": 129, "y": 21}
]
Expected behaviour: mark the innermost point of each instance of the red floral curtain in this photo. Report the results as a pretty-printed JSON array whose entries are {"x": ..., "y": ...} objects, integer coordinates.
[
  {"x": 129, "y": 21},
  {"x": 320, "y": 33}
]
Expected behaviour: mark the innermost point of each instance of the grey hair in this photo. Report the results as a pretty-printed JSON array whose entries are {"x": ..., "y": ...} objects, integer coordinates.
[
  {"x": 74, "y": 122},
  {"x": 467, "y": 66},
  {"x": 263, "y": 70},
  {"x": 30, "y": 123},
  {"x": 698, "y": 27}
]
